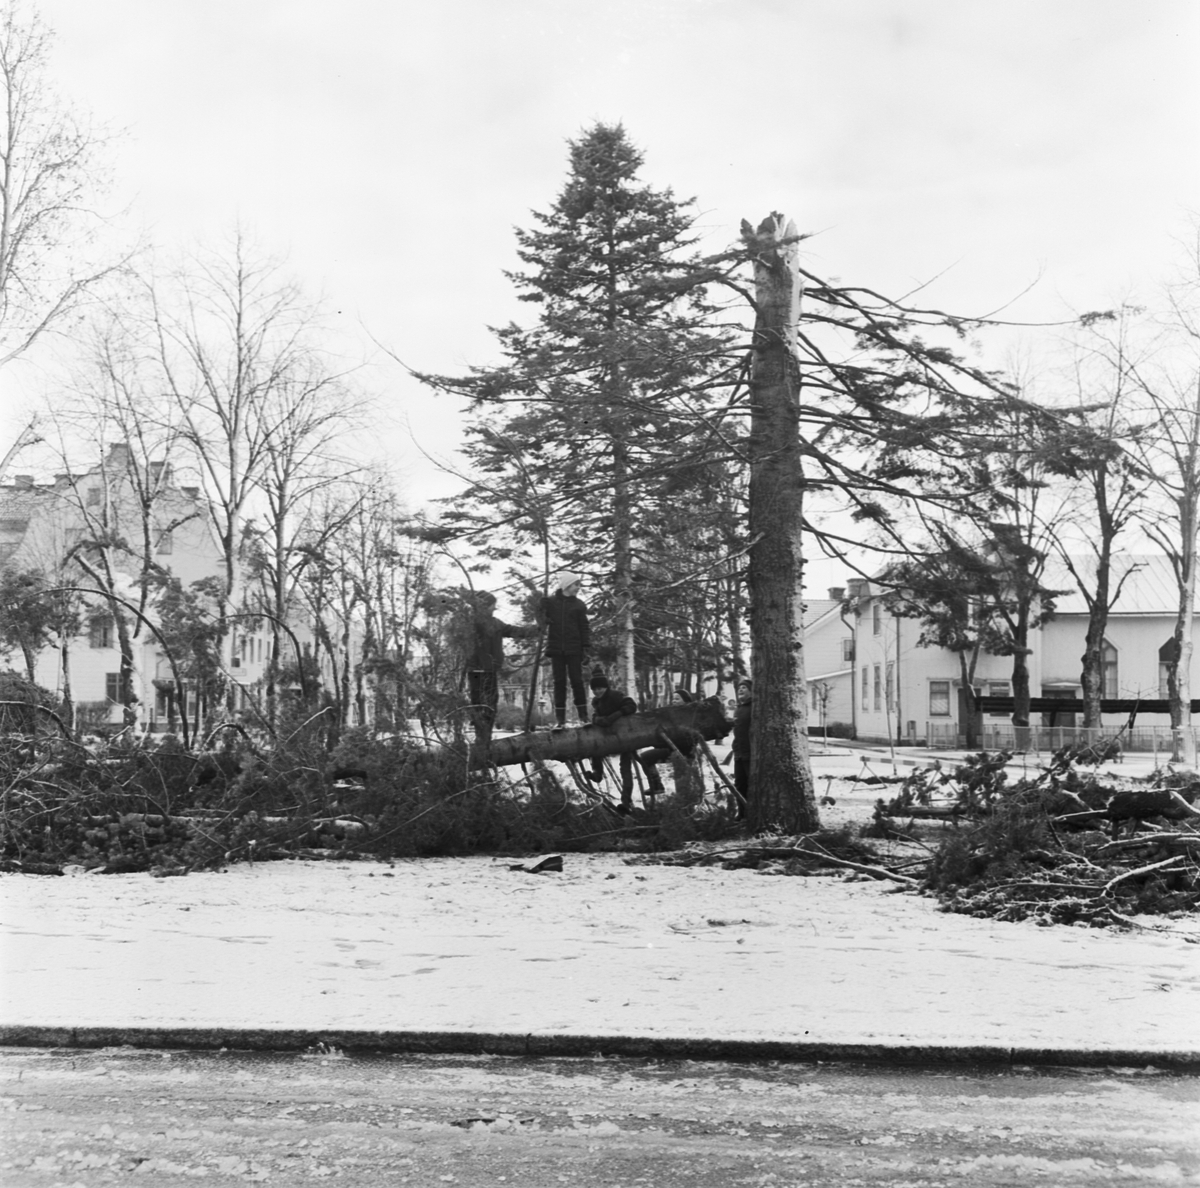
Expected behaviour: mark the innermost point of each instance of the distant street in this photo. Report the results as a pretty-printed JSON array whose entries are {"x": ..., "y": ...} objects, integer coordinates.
[{"x": 93, "y": 1118}]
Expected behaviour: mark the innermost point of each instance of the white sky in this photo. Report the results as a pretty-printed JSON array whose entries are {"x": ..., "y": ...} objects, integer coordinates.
[{"x": 390, "y": 146}]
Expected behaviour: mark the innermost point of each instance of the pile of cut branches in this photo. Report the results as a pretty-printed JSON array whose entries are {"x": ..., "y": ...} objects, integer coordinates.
[
  {"x": 1050, "y": 849},
  {"x": 118, "y": 806}
]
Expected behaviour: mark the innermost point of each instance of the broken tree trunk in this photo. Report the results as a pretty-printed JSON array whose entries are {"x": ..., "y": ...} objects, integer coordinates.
[
  {"x": 630, "y": 733},
  {"x": 782, "y": 793}
]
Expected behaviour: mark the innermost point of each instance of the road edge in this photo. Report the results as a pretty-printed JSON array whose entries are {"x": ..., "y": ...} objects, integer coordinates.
[{"x": 536, "y": 1045}]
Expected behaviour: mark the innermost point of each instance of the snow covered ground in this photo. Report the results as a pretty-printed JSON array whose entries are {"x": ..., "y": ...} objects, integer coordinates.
[{"x": 604, "y": 948}]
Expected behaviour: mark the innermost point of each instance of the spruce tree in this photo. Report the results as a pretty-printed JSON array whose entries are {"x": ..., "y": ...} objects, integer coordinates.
[{"x": 597, "y": 405}]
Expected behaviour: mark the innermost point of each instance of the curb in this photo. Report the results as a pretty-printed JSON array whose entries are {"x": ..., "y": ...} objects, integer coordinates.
[{"x": 637, "y": 1047}]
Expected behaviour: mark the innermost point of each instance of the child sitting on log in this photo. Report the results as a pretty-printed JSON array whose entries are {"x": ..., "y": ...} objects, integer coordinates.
[{"x": 609, "y": 705}]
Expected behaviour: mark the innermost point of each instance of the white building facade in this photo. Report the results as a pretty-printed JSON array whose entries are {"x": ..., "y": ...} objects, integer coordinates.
[{"x": 903, "y": 692}]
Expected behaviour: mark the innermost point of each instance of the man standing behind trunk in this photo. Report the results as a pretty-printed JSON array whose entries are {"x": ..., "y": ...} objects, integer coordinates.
[
  {"x": 485, "y": 661},
  {"x": 568, "y": 641}
]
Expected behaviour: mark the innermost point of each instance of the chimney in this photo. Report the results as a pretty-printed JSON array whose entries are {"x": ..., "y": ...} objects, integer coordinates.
[
  {"x": 23, "y": 480},
  {"x": 837, "y": 593},
  {"x": 118, "y": 454},
  {"x": 857, "y": 587}
]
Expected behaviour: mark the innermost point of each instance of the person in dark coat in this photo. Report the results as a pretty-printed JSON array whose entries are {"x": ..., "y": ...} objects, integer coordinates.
[
  {"x": 485, "y": 659},
  {"x": 568, "y": 641},
  {"x": 609, "y": 704},
  {"x": 741, "y": 744},
  {"x": 651, "y": 758}
]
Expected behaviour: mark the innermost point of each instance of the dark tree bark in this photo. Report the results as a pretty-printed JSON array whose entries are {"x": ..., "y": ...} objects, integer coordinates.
[
  {"x": 631, "y": 733},
  {"x": 782, "y": 794}
]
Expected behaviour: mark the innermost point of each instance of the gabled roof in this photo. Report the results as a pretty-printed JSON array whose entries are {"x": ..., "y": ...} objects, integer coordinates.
[
  {"x": 1148, "y": 585},
  {"x": 817, "y": 608}
]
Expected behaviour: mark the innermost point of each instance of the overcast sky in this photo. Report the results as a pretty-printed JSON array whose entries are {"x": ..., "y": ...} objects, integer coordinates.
[{"x": 388, "y": 147}]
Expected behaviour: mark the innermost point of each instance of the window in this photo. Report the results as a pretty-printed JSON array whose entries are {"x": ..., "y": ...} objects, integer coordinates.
[
  {"x": 112, "y": 686},
  {"x": 999, "y": 689},
  {"x": 848, "y": 649},
  {"x": 887, "y": 686},
  {"x": 939, "y": 699},
  {"x": 1108, "y": 670},
  {"x": 878, "y": 689},
  {"x": 813, "y": 690},
  {"x": 166, "y": 542},
  {"x": 1168, "y": 654},
  {"x": 93, "y": 496},
  {"x": 100, "y": 633},
  {"x": 865, "y": 702},
  {"x": 876, "y": 618}
]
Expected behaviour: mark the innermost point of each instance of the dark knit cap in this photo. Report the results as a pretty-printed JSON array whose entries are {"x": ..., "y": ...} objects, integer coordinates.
[{"x": 598, "y": 677}]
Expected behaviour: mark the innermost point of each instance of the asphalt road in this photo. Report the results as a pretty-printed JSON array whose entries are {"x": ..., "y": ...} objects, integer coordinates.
[{"x": 80, "y": 1118}]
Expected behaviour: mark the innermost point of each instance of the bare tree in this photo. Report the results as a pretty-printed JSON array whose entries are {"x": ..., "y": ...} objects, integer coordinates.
[
  {"x": 129, "y": 534},
  {"x": 392, "y": 571},
  {"x": 237, "y": 345},
  {"x": 307, "y": 415},
  {"x": 1096, "y": 452},
  {"x": 1173, "y": 457},
  {"x": 1167, "y": 378},
  {"x": 50, "y": 170}
]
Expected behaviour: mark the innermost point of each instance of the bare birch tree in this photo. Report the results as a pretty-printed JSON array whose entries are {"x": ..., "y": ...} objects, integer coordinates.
[
  {"x": 236, "y": 343},
  {"x": 50, "y": 173},
  {"x": 307, "y": 416},
  {"x": 1167, "y": 377},
  {"x": 127, "y": 532},
  {"x": 1097, "y": 453}
]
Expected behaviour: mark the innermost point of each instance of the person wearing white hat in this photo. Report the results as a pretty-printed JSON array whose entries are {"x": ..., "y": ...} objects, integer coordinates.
[{"x": 568, "y": 641}]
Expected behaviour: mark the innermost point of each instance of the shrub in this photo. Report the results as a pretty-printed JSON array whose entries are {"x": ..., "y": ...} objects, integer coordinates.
[{"x": 833, "y": 730}]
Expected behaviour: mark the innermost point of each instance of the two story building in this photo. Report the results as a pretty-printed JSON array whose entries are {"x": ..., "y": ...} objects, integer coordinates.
[
  {"x": 45, "y": 526},
  {"x": 904, "y": 692}
]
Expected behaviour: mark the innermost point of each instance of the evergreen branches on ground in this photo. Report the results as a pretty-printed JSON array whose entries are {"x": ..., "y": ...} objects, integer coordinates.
[
  {"x": 118, "y": 805},
  {"x": 1050, "y": 848}
]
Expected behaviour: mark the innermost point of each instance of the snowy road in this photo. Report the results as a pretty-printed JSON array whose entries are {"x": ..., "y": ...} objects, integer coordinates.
[{"x": 91, "y": 1118}]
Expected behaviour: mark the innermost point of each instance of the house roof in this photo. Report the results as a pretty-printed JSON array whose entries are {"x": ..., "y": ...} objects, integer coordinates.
[
  {"x": 1147, "y": 584},
  {"x": 817, "y": 608}
]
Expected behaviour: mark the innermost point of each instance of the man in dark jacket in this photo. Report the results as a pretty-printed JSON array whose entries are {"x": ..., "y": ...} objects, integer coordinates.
[
  {"x": 568, "y": 640},
  {"x": 484, "y": 662},
  {"x": 609, "y": 704}
]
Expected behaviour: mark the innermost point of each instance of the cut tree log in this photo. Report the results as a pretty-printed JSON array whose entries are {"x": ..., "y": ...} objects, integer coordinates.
[{"x": 630, "y": 733}]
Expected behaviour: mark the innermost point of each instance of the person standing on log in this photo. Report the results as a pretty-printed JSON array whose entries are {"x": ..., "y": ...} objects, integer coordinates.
[
  {"x": 608, "y": 705},
  {"x": 741, "y": 744},
  {"x": 568, "y": 641},
  {"x": 655, "y": 755},
  {"x": 484, "y": 662}
]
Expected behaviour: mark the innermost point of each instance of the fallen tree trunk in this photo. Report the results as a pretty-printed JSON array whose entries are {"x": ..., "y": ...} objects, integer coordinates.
[{"x": 676, "y": 722}]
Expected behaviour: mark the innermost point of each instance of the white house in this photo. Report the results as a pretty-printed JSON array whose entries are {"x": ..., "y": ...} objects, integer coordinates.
[
  {"x": 829, "y": 661},
  {"x": 908, "y": 693},
  {"x": 40, "y": 525}
]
